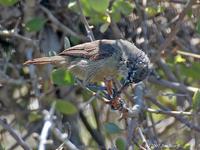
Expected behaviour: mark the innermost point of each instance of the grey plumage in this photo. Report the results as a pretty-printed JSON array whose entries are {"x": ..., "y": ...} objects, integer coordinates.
[{"x": 93, "y": 61}]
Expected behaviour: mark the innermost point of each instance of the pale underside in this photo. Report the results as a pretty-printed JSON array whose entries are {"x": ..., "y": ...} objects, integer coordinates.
[{"x": 97, "y": 71}]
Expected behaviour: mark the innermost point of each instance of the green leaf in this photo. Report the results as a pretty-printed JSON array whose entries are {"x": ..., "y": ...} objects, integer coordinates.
[
  {"x": 34, "y": 116},
  {"x": 66, "y": 107},
  {"x": 160, "y": 9},
  {"x": 99, "y": 5},
  {"x": 196, "y": 100},
  {"x": 112, "y": 128},
  {"x": 87, "y": 9},
  {"x": 192, "y": 71},
  {"x": 35, "y": 24},
  {"x": 8, "y": 2},
  {"x": 72, "y": 4},
  {"x": 152, "y": 11},
  {"x": 120, "y": 6},
  {"x": 104, "y": 27},
  {"x": 126, "y": 7},
  {"x": 179, "y": 59},
  {"x": 62, "y": 77},
  {"x": 198, "y": 26},
  {"x": 190, "y": 13},
  {"x": 187, "y": 146},
  {"x": 120, "y": 144}
]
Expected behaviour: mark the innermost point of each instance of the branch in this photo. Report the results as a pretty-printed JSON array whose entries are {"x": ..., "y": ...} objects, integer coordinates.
[
  {"x": 143, "y": 139},
  {"x": 87, "y": 27},
  {"x": 61, "y": 26},
  {"x": 14, "y": 134},
  {"x": 94, "y": 133},
  {"x": 167, "y": 112},
  {"x": 47, "y": 126},
  {"x": 178, "y": 117},
  {"x": 176, "y": 28},
  {"x": 8, "y": 80},
  {"x": 173, "y": 85},
  {"x": 63, "y": 138},
  {"x": 188, "y": 54},
  {"x": 14, "y": 34}
]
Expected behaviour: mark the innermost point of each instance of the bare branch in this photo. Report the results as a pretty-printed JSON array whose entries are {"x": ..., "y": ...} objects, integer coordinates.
[
  {"x": 61, "y": 26},
  {"x": 47, "y": 126},
  {"x": 143, "y": 139},
  {"x": 168, "y": 112},
  {"x": 176, "y": 27},
  {"x": 178, "y": 117},
  {"x": 62, "y": 137},
  {"x": 14, "y": 134},
  {"x": 87, "y": 27},
  {"x": 173, "y": 85},
  {"x": 13, "y": 34}
]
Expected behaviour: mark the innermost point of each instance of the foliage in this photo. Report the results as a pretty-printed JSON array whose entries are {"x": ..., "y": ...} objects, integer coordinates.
[
  {"x": 35, "y": 24},
  {"x": 83, "y": 116},
  {"x": 8, "y": 2},
  {"x": 66, "y": 107},
  {"x": 62, "y": 77}
]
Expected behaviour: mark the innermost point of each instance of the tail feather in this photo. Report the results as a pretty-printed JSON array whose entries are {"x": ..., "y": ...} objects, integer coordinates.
[{"x": 47, "y": 60}]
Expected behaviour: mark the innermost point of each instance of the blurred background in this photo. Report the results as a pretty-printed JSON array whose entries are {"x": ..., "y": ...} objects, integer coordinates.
[{"x": 43, "y": 107}]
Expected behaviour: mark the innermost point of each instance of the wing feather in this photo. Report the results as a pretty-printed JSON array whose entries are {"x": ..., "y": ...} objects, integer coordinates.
[{"x": 92, "y": 50}]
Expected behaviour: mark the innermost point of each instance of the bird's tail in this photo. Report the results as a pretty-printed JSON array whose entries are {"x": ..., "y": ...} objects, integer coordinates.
[{"x": 47, "y": 60}]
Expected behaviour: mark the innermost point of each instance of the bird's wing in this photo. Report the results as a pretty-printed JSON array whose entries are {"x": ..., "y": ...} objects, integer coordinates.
[{"x": 92, "y": 50}]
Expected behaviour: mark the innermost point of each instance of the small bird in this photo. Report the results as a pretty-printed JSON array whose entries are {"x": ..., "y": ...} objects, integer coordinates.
[{"x": 94, "y": 61}]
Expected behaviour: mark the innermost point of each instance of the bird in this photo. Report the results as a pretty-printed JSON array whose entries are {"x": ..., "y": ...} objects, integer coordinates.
[{"x": 96, "y": 60}]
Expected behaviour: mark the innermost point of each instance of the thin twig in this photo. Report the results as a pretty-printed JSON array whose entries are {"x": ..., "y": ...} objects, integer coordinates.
[
  {"x": 63, "y": 138},
  {"x": 189, "y": 54},
  {"x": 87, "y": 27},
  {"x": 173, "y": 85},
  {"x": 94, "y": 133},
  {"x": 143, "y": 139},
  {"x": 13, "y": 34},
  {"x": 14, "y": 134},
  {"x": 5, "y": 79},
  {"x": 178, "y": 117},
  {"x": 168, "y": 112},
  {"x": 176, "y": 27},
  {"x": 95, "y": 95},
  {"x": 47, "y": 126},
  {"x": 32, "y": 129},
  {"x": 170, "y": 75},
  {"x": 61, "y": 26}
]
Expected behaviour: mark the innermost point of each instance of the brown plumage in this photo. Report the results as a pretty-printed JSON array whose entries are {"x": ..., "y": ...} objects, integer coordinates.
[{"x": 93, "y": 61}]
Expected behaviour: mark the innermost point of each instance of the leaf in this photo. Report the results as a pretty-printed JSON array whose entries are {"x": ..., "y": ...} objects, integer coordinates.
[
  {"x": 152, "y": 11},
  {"x": 72, "y": 4},
  {"x": 160, "y": 9},
  {"x": 87, "y": 11},
  {"x": 8, "y": 2},
  {"x": 126, "y": 7},
  {"x": 190, "y": 13},
  {"x": 35, "y": 24},
  {"x": 99, "y": 5},
  {"x": 104, "y": 27},
  {"x": 120, "y": 6},
  {"x": 179, "y": 59},
  {"x": 120, "y": 144},
  {"x": 192, "y": 71},
  {"x": 196, "y": 100},
  {"x": 34, "y": 116},
  {"x": 62, "y": 77},
  {"x": 112, "y": 128},
  {"x": 66, "y": 107},
  {"x": 198, "y": 26}
]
